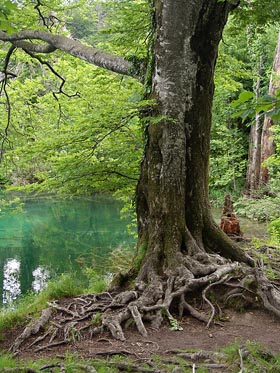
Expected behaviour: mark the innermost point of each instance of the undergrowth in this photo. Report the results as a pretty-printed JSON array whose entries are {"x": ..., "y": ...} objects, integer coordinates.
[
  {"x": 246, "y": 358},
  {"x": 32, "y": 304},
  {"x": 262, "y": 209},
  {"x": 251, "y": 357}
]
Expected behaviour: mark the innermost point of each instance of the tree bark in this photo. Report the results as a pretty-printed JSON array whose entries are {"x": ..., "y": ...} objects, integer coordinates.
[
  {"x": 268, "y": 146},
  {"x": 172, "y": 196}
]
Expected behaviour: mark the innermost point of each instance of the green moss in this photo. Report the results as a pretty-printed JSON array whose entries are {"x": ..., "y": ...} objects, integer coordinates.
[{"x": 140, "y": 255}]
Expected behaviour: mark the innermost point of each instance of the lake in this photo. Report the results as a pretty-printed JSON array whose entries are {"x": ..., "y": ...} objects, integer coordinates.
[{"x": 54, "y": 236}]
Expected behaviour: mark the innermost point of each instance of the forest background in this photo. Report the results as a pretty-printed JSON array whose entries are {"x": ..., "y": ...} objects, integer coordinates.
[{"x": 71, "y": 128}]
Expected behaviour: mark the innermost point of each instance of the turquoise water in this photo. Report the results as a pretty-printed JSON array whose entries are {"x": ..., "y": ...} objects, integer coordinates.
[{"x": 55, "y": 236}]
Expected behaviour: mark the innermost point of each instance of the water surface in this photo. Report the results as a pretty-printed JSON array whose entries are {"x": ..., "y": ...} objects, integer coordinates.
[{"x": 55, "y": 236}]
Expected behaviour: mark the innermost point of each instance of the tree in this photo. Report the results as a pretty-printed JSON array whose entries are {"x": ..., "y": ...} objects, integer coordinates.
[
  {"x": 180, "y": 248},
  {"x": 261, "y": 142},
  {"x": 254, "y": 156},
  {"x": 267, "y": 142},
  {"x": 229, "y": 142}
]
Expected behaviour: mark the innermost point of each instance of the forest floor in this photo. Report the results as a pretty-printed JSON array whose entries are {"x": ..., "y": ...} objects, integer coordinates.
[{"x": 253, "y": 325}]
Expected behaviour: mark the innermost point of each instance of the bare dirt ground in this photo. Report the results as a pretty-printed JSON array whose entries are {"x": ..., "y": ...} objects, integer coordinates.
[{"x": 254, "y": 325}]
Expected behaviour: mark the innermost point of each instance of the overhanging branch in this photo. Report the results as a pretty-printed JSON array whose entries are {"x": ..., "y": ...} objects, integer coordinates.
[
  {"x": 3, "y": 88},
  {"x": 75, "y": 48}
]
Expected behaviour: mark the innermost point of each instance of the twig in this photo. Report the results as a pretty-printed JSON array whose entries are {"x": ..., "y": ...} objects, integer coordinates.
[
  {"x": 63, "y": 309},
  {"x": 4, "y": 89},
  {"x": 37, "y": 7},
  {"x": 19, "y": 370},
  {"x": 52, "y": 345},
  {"x": 48, "y": 366},
  {"x": 213, "y": 311},
  {"x": 39, "y": 339},
  {"x": 241, "y": 360},
  {"x": 63, "y": 81}
]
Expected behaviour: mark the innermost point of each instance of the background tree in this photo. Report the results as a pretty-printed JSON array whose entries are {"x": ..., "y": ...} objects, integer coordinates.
[{"x": 267, "y": 142}]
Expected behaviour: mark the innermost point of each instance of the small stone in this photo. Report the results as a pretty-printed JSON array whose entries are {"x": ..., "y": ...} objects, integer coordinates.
[{"x": 210, "y": 335}]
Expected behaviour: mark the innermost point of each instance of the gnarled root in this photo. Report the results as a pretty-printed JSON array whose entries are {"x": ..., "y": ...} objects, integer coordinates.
[{"x": 196, "y": 276}]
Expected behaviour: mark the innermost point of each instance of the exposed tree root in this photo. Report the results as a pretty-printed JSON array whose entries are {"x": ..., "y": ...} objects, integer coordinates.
[
  {"x": 200, "y": 276},
  {"x": 34, "y": 328}
]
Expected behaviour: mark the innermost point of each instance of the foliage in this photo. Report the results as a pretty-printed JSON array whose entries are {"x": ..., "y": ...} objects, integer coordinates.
[
  {"x": 263, "y": 209},
  {"x": 97, "y": 283},
  {"x": 273, "y": 162},
  {"x": 174, "y": 324},
  {"x": 81, "y": 147},
  {"x": 228, "y": 157},
  {"x": 274, "y": 230},
  {"x": 120, "y": 260},
  {"x": 258, "y": 13},
  {"x": 6, "y": 9},
  {"x": 247, "y": 105},
  {"x": 10, "y": 206},
  {"x": 237, "y": 71},
  {"x": 91, "y": 139}
]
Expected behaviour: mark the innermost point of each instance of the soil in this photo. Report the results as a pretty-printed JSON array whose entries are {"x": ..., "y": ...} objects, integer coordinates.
[{"x": 254, "y": 325}]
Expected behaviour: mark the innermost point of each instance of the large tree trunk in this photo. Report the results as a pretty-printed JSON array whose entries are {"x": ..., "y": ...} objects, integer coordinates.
[
  {"x": 268, "y": 146},
  {"x": 173, "y": 206}
]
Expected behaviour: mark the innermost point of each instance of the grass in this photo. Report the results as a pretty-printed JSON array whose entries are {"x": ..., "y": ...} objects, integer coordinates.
[
  {"x": 32, "y": 304},
  {"x": 255, "y": 358},
  {"x": 64, "y": 286}
]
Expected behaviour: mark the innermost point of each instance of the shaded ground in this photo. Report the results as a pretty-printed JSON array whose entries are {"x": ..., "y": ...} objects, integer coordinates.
[{"x": 255, "y": 325}]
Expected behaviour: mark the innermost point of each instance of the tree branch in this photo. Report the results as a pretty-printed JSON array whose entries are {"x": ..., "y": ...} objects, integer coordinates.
[
  {"x": 3, "y": 88},
  {"x": 73, "y": 47},
  {"x": 42, "y": 62}
]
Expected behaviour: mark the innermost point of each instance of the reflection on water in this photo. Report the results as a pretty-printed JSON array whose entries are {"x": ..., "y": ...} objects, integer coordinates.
[
  {"x": 56, "y": 236},
  {"x": 11, "y": 280},
  {"x": 41, "y": 275},
  {"x": 11, "y": 284}
]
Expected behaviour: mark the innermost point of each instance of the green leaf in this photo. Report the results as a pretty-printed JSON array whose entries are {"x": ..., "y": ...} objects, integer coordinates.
[
  {"x": 243, "y": 97},
  {"x": 6, "y": 26}
]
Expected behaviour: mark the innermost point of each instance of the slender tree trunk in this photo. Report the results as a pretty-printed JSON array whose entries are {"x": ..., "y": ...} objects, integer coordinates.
[
  {"x": 268, "y": 146},
  {"x": 254, "y": 157},
  {"x": 173, "y": 206},
  {"x": 100, "y": 15}
]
